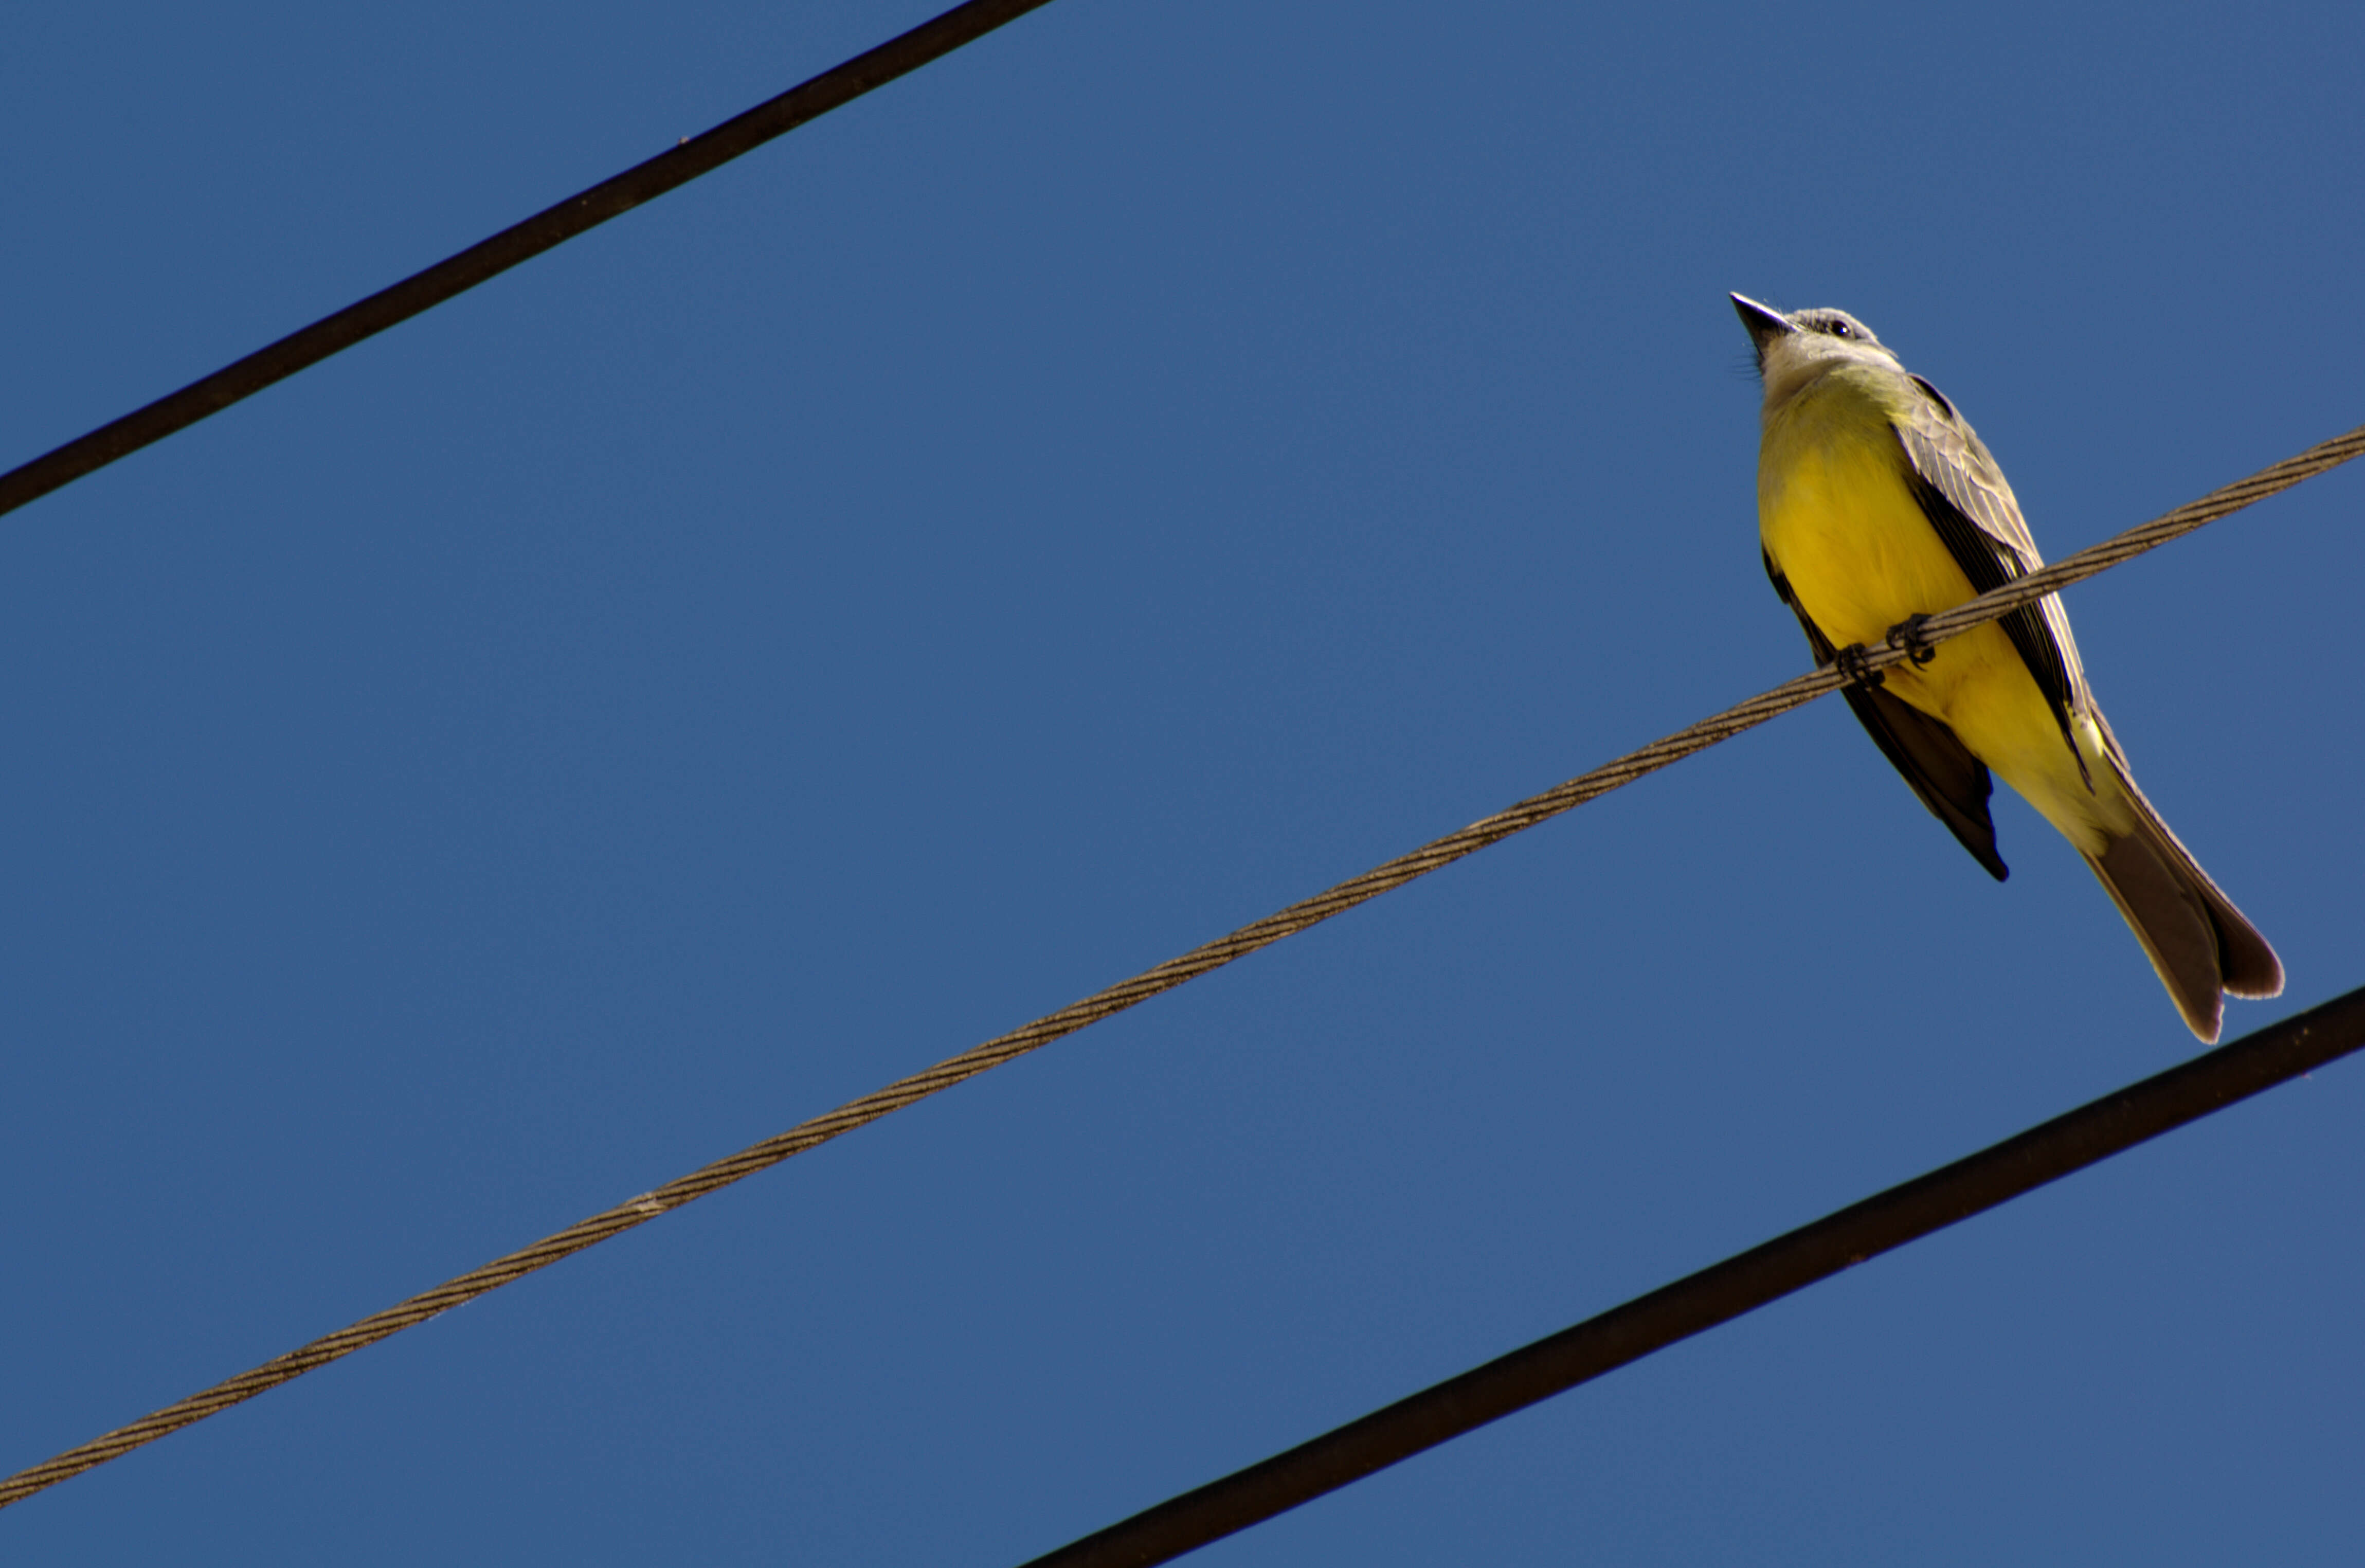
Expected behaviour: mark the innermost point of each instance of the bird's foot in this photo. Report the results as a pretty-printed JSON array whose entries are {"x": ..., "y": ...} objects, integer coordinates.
[
  {"x": 1907, "y": 635},
  {"x": 1849, "y": 662}
]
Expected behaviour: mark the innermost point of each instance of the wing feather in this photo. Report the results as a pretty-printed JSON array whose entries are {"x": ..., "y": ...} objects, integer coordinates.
[
  {"x": 1964, "y": 494},
  {"x": 1952, "y": 783}
]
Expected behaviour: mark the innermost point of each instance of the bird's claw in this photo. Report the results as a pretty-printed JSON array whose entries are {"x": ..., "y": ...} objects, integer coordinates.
[
  {"x": 1906, "y": 636},
  {"x": 1849, "y": 662}
]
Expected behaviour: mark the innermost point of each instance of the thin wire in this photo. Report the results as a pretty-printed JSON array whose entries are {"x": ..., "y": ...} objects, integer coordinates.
[
  {"x": 2136, "y": 540},
  {"x": 521, "y": 242},
  {"x": 1718, "y": 1294},
  {"x": 1150, "y": 983}
]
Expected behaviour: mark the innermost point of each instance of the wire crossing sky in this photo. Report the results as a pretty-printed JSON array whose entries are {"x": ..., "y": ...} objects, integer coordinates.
[
  {"x": 1155, "y": 461},
  {"x": 1691, "y": 1305},
  {"x": 1201, "y": 960},
  {"x": 518, "y": 243}
]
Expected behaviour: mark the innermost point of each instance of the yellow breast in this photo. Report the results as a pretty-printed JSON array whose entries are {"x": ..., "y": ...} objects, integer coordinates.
[
  {"x": 1835, "y": 516},
  {"x": 1834, "y": 513}
]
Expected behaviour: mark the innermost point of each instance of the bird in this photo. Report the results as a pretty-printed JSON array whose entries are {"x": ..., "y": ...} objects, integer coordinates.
[{"x": 1876, "y": 505}]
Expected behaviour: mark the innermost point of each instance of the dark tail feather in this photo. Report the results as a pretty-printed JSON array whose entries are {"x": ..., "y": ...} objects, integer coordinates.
[{"x": 2196, "y": 939}]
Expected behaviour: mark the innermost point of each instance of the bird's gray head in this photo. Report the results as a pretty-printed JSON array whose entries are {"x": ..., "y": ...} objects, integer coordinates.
[{"x": 1791, "y": 348}]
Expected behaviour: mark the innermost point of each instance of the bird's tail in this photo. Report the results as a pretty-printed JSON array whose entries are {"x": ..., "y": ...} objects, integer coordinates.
[{"x": 2196, "y": 939}]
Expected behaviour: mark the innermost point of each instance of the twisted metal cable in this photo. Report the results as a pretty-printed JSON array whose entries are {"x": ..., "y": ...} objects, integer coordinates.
[{"x": 1382, "y": 878}]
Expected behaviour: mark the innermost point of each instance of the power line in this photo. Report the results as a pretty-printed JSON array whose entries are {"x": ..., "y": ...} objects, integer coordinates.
[
  {"x": 520, "y": 242},
  {"x": 1165, "y": 977},
  {"x": 1739, "y": 1284}
]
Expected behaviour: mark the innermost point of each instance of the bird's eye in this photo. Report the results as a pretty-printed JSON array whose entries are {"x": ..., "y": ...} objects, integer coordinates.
[{"x": 1840, "y": 329}]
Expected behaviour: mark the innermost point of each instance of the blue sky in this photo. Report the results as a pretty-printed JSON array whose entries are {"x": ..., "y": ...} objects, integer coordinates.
[{"x": 1131, "y": 474}]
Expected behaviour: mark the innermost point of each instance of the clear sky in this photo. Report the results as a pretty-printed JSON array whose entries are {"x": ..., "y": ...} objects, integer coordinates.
[{"x": 1127, "y": 477}]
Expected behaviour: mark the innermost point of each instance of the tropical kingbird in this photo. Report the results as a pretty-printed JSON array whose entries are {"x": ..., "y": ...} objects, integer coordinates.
[{"x": 1876, "y": 504}]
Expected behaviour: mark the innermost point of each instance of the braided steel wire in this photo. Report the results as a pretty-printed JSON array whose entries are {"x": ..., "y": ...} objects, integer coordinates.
[{"x": 1396, "y": 873}]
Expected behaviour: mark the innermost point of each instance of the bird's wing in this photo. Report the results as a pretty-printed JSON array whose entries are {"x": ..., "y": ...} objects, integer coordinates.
[
  {"x": 1952, "y": 783},
  {"x": 1963, "y": 493}
]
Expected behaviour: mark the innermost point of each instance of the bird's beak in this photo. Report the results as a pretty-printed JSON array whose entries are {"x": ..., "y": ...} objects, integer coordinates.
[{"x": 1765, "y": 324}]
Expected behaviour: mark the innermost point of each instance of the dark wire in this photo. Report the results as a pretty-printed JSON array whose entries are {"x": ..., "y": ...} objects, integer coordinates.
[
  {"x": 1430, "y": 856},
  {"x": 1739, "y": 1284},
  {"x": 643, "y": 183},
  {"x": 521, "y": 242}
]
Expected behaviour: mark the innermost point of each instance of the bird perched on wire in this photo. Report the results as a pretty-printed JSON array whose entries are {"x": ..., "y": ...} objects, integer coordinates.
[{"x": 1876, "y": 505}]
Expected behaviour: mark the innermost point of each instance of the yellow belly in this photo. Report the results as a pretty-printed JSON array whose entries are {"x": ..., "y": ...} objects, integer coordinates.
[{"x": 1839, "y": 523}]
